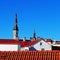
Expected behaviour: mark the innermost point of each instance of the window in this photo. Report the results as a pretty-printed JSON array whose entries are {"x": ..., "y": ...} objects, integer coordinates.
[
  {"x": 40, "y": 43},
  {"x": 42, "y": 49}
]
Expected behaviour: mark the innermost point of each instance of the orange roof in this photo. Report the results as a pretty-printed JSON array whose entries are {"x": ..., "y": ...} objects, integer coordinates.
[{"x": 21, "y": 42}]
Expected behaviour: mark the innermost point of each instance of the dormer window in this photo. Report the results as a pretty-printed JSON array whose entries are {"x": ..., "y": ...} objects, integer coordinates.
[{"x": 40, "y": 43}]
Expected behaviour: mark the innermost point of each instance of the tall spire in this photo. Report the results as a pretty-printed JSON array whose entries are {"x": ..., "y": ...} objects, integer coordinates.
[
  {"x": 16, "y": 18},
  {"x": 16, "y": 26},
  {"x": 15, "y": 29},
  {"x": 34, "y": 35}
]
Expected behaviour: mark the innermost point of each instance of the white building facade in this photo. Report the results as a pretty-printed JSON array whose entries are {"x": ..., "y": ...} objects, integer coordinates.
[{"x": 42, "y": 45}]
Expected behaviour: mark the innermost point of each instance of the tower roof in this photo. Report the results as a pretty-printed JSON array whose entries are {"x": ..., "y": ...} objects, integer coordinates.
[
  {"x": 15, "y": 26},
  {"x": 34, "y": 35}
]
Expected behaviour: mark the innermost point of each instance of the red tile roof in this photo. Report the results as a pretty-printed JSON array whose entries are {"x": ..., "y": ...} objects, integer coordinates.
[
  {"x": 57, "y": 42},
  {"x": 30, "y": 55},
  {"x": 21, "y": 42},
  {"x": 46, "y": 40}
]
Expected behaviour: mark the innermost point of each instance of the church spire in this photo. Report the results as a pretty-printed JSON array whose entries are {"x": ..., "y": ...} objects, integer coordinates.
[
  {"x": 34, "y": 34},
  {"x": 15, "y": 29},
  {"x": 15, "y": 25}
]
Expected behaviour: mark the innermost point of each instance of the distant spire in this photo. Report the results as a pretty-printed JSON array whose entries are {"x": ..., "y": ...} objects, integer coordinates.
[
  {"x": 16, "y": 26},
  {"x": 34, "y": 35},
  {"x": 15, "y": 29},
  {"x": 16, "y": 18}
]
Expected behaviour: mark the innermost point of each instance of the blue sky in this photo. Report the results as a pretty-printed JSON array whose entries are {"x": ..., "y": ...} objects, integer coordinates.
[{"x": 41, "y": 15}]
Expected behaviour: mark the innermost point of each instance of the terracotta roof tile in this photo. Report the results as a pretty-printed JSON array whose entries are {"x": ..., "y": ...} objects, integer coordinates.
[{"x": 21, "y": 42}]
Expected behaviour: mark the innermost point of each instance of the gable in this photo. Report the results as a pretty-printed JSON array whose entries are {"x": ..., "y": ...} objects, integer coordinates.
[{"x": 42, "y": 45}]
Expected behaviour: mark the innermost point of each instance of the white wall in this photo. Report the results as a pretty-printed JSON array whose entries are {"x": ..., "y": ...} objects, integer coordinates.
[
  {"x": 56, "y": 45},
  {"x": 44, "y": 46},
  {"x": 8, "y": 47},
  {"x": 24, "y": 48}
]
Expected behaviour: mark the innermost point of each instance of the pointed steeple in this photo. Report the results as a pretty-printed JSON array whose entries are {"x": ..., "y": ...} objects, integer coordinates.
[
  {"x": 15, "y": 25},
  {"x": 15, "y": 29},
  {"x": 34, "y": 34}
]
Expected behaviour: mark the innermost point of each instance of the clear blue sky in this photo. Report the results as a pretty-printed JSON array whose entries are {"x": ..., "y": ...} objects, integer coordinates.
[{"x": 41, "y": 15}]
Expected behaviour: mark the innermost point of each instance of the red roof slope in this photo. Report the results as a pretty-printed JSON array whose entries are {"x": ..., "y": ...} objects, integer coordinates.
[{"x": 21, "y": 42}]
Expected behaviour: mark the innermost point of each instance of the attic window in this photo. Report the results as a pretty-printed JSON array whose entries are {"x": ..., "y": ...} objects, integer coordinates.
[
  {"x": 40, "y": 43},
  {"x": 42, "y": 49}
]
